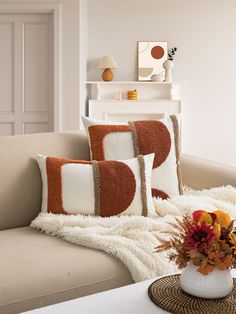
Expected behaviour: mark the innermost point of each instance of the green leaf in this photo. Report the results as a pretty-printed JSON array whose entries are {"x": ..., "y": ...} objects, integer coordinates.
[{"x": 198, "y": 260}]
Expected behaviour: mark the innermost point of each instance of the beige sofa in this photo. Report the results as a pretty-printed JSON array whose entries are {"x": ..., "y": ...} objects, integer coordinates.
[{"x": 36, "y": 269}]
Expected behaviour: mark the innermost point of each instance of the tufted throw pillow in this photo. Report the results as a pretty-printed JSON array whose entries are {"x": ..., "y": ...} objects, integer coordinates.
[
  {"x": 112, "y": 141},
  {"x": 104, "y": 188}
]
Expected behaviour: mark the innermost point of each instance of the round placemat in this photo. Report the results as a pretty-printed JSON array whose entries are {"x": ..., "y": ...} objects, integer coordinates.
[{"x": 167, "y": 294}]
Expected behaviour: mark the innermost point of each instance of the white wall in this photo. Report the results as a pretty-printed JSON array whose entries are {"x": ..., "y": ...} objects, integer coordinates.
[
  {"x": 70, "y": 64},
  {"x": 205, "y": 67},
  {"x": 74, "y": 43}
]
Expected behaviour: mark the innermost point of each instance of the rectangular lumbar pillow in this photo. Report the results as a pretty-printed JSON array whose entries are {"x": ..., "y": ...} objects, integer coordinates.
[
  {"x": 104, "y": 188},
  {"x": 111, "y": 141}
]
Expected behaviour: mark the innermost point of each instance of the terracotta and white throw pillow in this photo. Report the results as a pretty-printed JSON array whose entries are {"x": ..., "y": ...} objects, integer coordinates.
[
  {"x": 104, "y": 188},
  {"x": 111, "y": 141}
]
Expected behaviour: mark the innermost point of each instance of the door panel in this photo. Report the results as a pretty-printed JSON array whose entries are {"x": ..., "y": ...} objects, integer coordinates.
[
  {"x": 35, "y": 128},
  {"x": 26, "y": 104},
  {"x": 6, "y": 66},
  {"x": 35, "y": 67}
]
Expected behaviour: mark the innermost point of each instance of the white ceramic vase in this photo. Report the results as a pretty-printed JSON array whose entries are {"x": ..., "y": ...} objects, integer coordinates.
[
  {"x": 168, "y": 65},
  {"x": 217, "y": 284}
]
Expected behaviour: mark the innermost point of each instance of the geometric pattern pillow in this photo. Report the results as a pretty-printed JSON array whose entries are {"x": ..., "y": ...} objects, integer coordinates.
[
  {"x": 112, "y": 141},
  {"x": 103, "y": 188}
]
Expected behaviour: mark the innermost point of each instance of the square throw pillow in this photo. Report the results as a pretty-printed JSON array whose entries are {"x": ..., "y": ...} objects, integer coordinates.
[
  {"x": 112, "y": 141},
  {"x": 103, "y": 188}
]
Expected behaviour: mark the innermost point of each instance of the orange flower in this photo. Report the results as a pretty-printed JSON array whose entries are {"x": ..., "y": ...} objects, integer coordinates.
[
  {"x": 222, "y": 218},
  {"x": 217, "y": 230},
  {"x": 226, "y": 263},
  {"x": 212, "y": 255},
  {"x": 205, "y": 268}
]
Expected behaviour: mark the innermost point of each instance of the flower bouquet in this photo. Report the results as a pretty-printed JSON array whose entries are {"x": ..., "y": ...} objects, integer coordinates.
[{"x": 204, "y": 242}]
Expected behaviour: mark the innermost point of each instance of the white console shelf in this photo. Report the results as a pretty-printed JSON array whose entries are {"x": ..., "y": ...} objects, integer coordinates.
[
  {"x": 155, "y": 100},
  {"x": 146, "y": 90}
]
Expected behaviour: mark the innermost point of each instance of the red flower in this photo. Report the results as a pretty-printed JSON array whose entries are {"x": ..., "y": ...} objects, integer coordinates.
[{"x": 199, "y": 235}]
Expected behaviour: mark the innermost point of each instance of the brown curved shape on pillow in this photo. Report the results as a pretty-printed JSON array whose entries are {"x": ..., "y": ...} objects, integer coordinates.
[
  {"x": 97, "y": 134},
  {"x": 118, "y": 194},
  {"x": 151, "y": 137},
  {"x": 53, "y": 167},
  {"x": 159, "y": 193}
]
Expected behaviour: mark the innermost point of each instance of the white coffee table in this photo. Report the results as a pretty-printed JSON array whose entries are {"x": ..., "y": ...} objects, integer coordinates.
[{"x": 131, "y": 299}]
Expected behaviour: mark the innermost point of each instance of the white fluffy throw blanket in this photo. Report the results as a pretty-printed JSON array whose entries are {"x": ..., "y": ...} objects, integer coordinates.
[{"x": 132, "y": 239}]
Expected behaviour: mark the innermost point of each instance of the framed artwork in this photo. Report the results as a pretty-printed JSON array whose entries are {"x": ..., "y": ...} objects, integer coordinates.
[{"x": 151, "y": 55}]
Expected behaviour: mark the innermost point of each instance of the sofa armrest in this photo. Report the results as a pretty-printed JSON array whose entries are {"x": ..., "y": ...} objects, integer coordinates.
[{"x": 200, "y": 173}]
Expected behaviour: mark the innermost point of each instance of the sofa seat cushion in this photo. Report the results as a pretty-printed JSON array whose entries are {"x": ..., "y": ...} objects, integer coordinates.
[{"x": 37, "y": 270}]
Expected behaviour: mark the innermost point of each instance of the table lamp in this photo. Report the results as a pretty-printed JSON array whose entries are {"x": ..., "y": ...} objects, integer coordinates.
[{"x": 107, "y": 63}]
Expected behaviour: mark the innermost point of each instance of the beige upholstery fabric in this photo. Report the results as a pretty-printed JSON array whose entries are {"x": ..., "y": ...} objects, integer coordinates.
[
  {"x": 203, "y": 174},
  {"x": 37, "y": 270},
  {"x": 20, "y": 192}
]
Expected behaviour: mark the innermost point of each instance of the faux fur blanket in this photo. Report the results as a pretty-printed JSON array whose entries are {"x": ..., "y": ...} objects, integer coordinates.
[{"x": 132, "y": 239}]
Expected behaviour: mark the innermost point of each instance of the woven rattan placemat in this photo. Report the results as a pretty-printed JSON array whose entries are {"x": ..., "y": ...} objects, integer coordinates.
[{"x": 167, "y": 294}]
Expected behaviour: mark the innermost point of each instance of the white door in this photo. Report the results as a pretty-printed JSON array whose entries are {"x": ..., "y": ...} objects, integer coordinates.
[{"x": 26, "y": 74}]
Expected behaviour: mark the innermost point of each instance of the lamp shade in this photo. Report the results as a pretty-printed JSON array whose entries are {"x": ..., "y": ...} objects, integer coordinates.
[{"x": 107, "y": 62}]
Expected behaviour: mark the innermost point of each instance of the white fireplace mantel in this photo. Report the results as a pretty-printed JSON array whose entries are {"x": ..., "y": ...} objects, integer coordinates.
[{"x": 155, "y": 100}]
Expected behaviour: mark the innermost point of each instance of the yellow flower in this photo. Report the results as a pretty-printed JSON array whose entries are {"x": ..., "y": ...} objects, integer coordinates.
[
  {"x": 222, "y": 218},
  {"x": 217, "y": 230}
]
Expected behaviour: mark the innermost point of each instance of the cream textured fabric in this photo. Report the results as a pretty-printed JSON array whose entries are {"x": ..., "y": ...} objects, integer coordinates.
[
  {"x": 110, "y": 141},
  {"x": 223, "y": 198},
  {"x": 133, "y": 239},
  {"x": 111, "y": 188}
]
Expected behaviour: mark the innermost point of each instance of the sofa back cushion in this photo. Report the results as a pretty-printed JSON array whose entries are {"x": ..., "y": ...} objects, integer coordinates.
[{"x": 20, "y": 179}]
